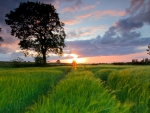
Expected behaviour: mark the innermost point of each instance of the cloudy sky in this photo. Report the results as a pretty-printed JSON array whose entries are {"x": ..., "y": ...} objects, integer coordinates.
[{"x": 97, "y": 30}]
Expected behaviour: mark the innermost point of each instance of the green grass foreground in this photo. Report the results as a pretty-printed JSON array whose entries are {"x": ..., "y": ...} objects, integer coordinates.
[
  {"x": 86, "y": 89},
  {"x": 79, "y": 92},
  {"x": 19, "y": 88},
  {"x": 128, "y": 83}
]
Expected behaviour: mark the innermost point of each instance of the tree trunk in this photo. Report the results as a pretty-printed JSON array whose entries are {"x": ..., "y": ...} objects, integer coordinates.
[{"x": 44, "y": 57}]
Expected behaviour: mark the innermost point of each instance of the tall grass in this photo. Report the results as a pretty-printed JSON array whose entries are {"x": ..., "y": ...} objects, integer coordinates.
[
  {"x": 79, "y": 92},
  {"x": 42, "y": 90},
  {"x": 104, "y": 73},
  {"x": 132, "y": 85},
  {"x": 19, "y": 88},
  {"x": 95, "y": 68}
]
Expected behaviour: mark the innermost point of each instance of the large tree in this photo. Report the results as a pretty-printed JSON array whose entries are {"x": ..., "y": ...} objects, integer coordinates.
[
  {"x": 1, "y": 39},
  {"x": 38, "y": 27}
]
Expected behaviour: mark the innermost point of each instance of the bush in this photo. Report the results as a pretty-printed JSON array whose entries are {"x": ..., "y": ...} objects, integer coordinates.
[
  {"x": 17, "y": 62},
  {"x": 38, "y": 60}
]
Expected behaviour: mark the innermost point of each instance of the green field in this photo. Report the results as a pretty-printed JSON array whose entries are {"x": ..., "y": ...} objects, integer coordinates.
[{"x": 84, "y": 89}]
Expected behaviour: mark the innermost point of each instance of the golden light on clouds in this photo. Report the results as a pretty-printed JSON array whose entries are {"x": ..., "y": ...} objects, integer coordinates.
[
  {"x": 107, "y": 59},
  {"x": 78, "y": 60}
]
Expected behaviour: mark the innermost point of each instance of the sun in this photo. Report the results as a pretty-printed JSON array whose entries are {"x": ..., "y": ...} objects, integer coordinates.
[
  {"x": 78, "y": 60},
  {"x": 75, "y": 57}
]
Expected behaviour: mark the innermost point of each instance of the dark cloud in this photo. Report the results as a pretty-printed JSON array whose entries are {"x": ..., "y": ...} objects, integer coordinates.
[
  {"x": 81, "y": 47},
  {"x": 140, "y": 10},
  {"x": 128, "y": 24},
  {"x": 96, "y": 47},
  {"x": 78, "y": 44},
  {"x": 122, "y": 38},
  {"x": 109, "y": 36},
  {"x": 135, "y": 5}
]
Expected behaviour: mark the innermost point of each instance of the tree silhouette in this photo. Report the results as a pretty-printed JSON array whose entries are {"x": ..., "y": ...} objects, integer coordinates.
[
  {"x": 148, "y": 50},
  {"x": 58, "y": 61},
  {"x": 38, "y": 27},
  {"x": 1, "y": 39}
]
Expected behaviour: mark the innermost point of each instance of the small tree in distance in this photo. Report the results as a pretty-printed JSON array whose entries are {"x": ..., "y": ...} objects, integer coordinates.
[
  {"x": 148, "y": 50},
  {"x": 58, "y": 61},
  {"x": 38, "y": 27}
]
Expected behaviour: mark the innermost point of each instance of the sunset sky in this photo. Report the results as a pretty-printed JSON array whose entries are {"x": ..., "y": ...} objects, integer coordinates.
[{"x": 97, "y": 30}]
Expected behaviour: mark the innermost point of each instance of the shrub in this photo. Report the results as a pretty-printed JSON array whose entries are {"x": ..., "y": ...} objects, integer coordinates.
[
  {"x": 38, "y": 60},
  {"x": 17, "y": 62}
]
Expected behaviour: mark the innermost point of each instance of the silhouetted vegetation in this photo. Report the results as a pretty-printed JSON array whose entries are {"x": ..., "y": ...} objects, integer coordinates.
[
  {"x": 58, "y": 61},
  {"x": 38, "y": 28},
  {"x": 145, "y": 61},
  {"x": 38, "y": 60},
  {"x": 11, "y": 64},
  {"x": 1, "y": 39},
  {"x": 18, "y": 63},
  {"x": 148, "y": 50}
]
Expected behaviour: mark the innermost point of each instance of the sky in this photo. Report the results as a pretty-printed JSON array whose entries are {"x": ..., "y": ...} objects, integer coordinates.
[{"x": 97, "y": 31}]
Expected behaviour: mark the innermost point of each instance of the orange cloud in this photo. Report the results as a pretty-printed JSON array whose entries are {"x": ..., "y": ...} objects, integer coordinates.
[
  {"x": 83, "y": 16},
  {"x": 95, "y": 15},
  {"x": 99, "y": 14},
  {"x": 71, "y": 22},
  {"x": 13, "y": 46},
  {"x": 76, "y": 8},
  {"x": 76, "y": 19},
  {"x": 56, "y": 4},
  {"x": 85, "y": 31}
]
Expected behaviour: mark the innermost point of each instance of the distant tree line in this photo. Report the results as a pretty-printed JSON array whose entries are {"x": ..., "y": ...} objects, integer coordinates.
[{"x": 145, "y": 61}]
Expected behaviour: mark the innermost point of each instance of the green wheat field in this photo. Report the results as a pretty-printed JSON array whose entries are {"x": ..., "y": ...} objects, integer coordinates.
[{"x": 80, "y": 89}]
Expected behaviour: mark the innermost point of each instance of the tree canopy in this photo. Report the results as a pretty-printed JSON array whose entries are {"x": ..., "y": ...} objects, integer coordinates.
[{"x": 38, "y": 28}]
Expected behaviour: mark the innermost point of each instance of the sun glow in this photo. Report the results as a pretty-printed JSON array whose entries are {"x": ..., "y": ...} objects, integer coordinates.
[{"x": 75, "y": 57}]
